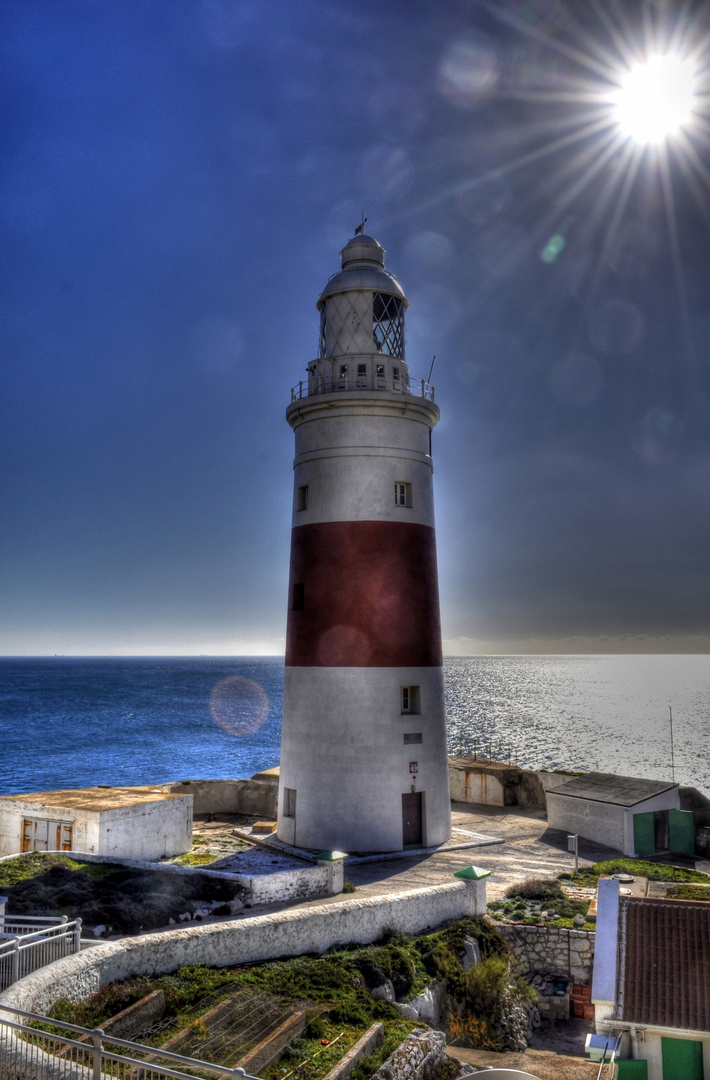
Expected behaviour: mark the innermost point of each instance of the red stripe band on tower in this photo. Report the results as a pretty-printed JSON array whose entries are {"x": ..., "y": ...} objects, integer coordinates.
[{"x": 363, "y": 594}]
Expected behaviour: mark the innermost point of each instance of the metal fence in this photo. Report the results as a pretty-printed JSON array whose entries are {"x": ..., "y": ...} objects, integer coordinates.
[
  {"x": 28, "y": 942},
  {"x": 322, "y": 384},
  {"x": 34, "y": 1047}
]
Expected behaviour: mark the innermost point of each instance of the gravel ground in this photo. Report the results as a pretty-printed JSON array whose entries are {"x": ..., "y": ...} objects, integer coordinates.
[{"x": 542, "y": 1064}]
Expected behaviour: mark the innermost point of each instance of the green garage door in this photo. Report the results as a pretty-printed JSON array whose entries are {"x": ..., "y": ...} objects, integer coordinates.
[
  {"x": 644, "y": 835},
  {"x": 682, "y": 832},
  {"x": 633, "y": 1070},
  {"x": 682, "y": 1059}
]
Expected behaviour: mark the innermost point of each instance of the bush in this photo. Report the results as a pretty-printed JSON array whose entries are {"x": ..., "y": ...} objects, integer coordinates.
[{"x": 536, "y": 889}]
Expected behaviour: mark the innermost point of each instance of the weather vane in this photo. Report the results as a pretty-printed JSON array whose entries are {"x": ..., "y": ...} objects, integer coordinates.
[{"x": 361, "y": 226}]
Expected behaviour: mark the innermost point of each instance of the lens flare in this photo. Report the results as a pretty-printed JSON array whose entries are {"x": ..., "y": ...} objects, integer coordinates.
[
  {"x": 240, "y": 706},
  {"x": 656, "y": 98}
]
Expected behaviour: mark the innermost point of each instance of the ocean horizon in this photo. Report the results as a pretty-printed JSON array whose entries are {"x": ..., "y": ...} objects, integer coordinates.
[{"x": 77, "y": 721}]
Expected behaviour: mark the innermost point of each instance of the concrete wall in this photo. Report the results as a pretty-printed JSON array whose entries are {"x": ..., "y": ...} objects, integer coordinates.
[
  {"x": 147, "y": 830},
  {"x": 553, "y": 951},
  {"x": 607, "y": 824},
  {"x": 265, "y": 937},
  {"x": 495, "y": 784},
  {"x": 649, "y": 1041},
  {"x": 256, "y": 796},
  {"x": 85, "y": 831}
]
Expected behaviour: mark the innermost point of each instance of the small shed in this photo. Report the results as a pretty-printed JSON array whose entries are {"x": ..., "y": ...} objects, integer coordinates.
[
  {"x": 133, "y": 823},
  {"x": 626, "y": 813}
]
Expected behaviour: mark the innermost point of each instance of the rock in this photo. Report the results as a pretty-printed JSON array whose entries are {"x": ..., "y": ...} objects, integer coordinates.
[
  {"x": 185, "y": 917},
  {"x": 384, "y": 992},
  {"x": 235, "y": 906},
  {"x": 407, "y": 1012},
  {"x": 99, "y": 930},
  {"x": 471, "y": 954}
]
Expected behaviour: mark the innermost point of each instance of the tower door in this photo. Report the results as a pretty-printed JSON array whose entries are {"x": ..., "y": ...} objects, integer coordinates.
[{"x": 412, "y": 819}]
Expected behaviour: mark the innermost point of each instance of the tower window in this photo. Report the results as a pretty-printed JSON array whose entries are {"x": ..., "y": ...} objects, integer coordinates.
[
  {"x": 299, "y": 596},
  {"x": 388, "y": 324},
  {"x": 302, "y": 498},
  {"x": 409, "y": 697},
  {"x": 343, "y": 371},
  {"x": 402, "y": 494},
  {"x": 289, "y": 802},
  {"x": 414, "y": 737}
]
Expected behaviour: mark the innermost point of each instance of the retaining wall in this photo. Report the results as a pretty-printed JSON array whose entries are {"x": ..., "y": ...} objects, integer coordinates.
[
  {"x": 552, "y": 951},
  {"x": 495, "y": 784},
  {"x": 257, "y": 795},
  {"x": 263, "y": 937}
]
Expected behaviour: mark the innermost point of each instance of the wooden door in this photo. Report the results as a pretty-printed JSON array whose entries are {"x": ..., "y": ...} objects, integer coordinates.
[{"x": 412, "y": 819}]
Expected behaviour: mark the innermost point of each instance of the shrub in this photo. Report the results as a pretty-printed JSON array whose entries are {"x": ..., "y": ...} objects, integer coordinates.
[{"x": 536, "y": 889}]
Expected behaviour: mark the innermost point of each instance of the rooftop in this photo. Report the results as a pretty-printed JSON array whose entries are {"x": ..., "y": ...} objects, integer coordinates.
[
  {"x": 96, "y": 798},
  {"x": 609, "y": 788},
  {"x": 665, "y": 963}
]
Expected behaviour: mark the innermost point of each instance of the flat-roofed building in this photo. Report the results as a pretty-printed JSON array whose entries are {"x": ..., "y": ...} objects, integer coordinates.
[{"x": 136, "y": 823}]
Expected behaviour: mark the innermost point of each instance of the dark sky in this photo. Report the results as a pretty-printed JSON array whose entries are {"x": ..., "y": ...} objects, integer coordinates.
[{"x": 178, "y": 178}]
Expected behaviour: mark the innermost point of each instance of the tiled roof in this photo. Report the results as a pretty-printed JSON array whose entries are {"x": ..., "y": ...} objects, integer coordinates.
[
  {"x": 664, "y": 963},
  {"x": 609, "y": 788}
]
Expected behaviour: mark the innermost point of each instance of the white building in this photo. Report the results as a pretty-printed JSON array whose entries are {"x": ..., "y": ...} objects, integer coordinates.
[
  {"x": 363, "y": 751},
  {"x": 626, "y": 813},
  {"x": 132, "y": 823},
  {"x": 651, "y": 984}
]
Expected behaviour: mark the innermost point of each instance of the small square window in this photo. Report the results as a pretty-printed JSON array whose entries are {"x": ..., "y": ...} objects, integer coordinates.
[
  {"x": 302, "y": 498},
  {"x": 414, "y": 737},
  {"x": 395, "y": 374},
  {"x": 380, "y": 369},
  {"x": 362, "y": 369},
  {"x": 343, "y": 370},
  {"x": 402, "y": 494},
  {"x": 410, "y": 699},
  {"x": 289, "y": 802},
  {"x": 299, "y": 596}
]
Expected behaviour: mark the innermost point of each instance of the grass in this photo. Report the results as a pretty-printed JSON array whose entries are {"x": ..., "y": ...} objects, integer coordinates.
[
  {"x": 526, "y": 901},
  {"x": 124, "y": 899},
  {"x": 589, "y": 875},
  {"x": 337, "y": 986},
  {"x": 689, "y": 892}
]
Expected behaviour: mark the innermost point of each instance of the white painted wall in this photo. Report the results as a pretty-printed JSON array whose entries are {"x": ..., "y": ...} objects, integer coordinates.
[
  {"x": 351, "y": 765},
  {"x": 264, "y": 937},
  {"x": 145, "y": 830},
  {"x": 148, "y": 830},
  {"x": 605, "y": 823}
]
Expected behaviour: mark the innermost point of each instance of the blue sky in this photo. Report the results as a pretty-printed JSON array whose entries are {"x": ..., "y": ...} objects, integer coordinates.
[{"x": 177, "y": 181}]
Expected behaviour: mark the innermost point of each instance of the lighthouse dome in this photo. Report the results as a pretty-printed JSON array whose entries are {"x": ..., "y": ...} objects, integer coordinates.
[{"x": 363, "y": 267}]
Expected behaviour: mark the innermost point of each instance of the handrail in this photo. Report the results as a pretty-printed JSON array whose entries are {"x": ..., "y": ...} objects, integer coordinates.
[{"x": 317, "y": 385}]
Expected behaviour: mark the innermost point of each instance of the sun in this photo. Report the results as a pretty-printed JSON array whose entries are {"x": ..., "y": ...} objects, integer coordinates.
[{"x": 656, "y": 99}]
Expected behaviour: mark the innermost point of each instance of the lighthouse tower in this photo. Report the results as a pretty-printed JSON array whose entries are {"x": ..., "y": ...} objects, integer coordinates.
[{"x": 363, "y": 750}]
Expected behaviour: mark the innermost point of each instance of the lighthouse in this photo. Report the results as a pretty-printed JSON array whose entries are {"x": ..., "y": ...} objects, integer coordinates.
[{"x": 364, "y": 763}]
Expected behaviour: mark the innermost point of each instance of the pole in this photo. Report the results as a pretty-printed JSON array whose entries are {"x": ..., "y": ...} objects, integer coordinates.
[{"x": 670, "y": 710}]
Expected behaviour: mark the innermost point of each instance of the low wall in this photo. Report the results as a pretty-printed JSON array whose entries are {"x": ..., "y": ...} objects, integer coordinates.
[
  {"x": 422, "y": 1054},
  {"x": 257, "y": 795},
  {"x": 495, "y": 784},
  {"x": 264, "y": 937},
  {"x": 552, "y": 951}
]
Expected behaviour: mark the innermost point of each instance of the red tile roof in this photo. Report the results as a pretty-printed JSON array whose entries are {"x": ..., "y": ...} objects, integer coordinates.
[{"x": 664, "y": 963}]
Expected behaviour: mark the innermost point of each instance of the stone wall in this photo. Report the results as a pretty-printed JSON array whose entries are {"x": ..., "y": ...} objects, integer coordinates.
[
  {"x": 420, "y": 1055},
  {"x": 552, "y": 951},
  {"x": 264, "y": 937}
]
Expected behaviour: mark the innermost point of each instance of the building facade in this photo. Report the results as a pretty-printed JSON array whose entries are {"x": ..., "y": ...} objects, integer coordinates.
[{"x": 363, "y": 751}]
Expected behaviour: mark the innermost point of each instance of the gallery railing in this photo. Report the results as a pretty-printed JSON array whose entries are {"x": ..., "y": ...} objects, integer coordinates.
[{"x": 29, "y": 942}]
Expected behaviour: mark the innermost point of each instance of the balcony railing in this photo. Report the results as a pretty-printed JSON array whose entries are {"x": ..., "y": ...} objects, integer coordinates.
[{"x": 325, "y": 384}]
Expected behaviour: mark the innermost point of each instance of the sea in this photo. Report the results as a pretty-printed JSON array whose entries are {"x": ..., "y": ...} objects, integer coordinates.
[{"x": 68, "y": 722}]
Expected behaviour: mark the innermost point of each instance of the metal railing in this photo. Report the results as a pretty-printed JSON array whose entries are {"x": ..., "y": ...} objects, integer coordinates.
[
  {"x": 29, "y": 942},
  {"x": 326, "y": 384},
  {"x": 483, "y": 750},
  {"x": 69, "y": 1052}
]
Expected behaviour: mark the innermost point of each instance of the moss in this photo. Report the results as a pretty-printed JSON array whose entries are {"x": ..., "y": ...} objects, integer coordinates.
[
  {"x": 689, "y": 892},
  {"x": 536, "y": 889},
  {"x": 589, "y": 875}
]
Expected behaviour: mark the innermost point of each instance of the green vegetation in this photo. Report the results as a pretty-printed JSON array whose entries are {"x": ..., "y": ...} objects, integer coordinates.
[
  {"x": 348, "y": 887},
  {"x": 528, "y": 901},
  {"x": 124, "y": 899},
  {"x": 588, "y": 875},
  {"x": 689, "y": 892},
  {"x": 337, "y": 986}
]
